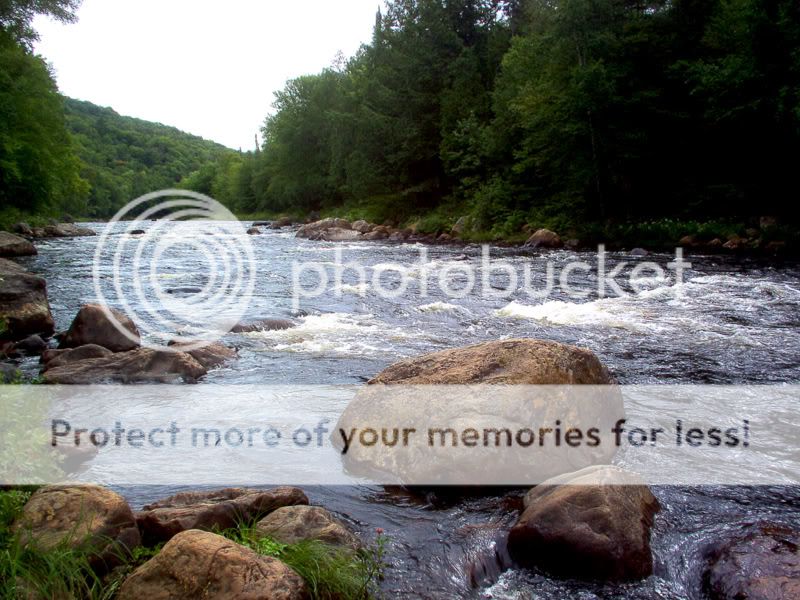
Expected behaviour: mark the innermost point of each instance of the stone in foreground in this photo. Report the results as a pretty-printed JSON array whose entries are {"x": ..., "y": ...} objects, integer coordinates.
[
  {"x": 220, "y": 509},
  {"x": 198, "y": 564},
  {"x": 293, "y": 524},
  {"x": 24, "y": 309},
  {"x": 79, "y": 516},
  {"x": 763, "y": 564},
  {"x": 13, "y": 245},
  {"x": 592, "y": 524},
  {"x": 507, "y": 362},
  {"x": 93, "y": 326}
]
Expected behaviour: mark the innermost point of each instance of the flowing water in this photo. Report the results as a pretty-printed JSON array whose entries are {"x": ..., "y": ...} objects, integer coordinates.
[{"x": 733, "y": 321}]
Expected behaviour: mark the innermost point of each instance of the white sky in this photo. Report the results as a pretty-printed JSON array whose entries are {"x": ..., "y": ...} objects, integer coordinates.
[{"x": 209, "y": 68}]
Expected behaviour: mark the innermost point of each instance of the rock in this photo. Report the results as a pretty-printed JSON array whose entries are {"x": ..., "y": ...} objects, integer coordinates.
[
  {"x": 92, "y": 325},
  {"x": 507, "y": 362},
  {"x": 444, "y": 238},
  {"x": 254, "y": 231},
  {"x": 593, "y": 524},
  {"x": 767, "y": 223},
  {"x": 292, "y": 524},
  {"x": 220, "y": 509},
  {"x": 137, "y": 232},
  {"x": 280, "y": 223},
  {"x": 762, "y": 564},
  {"x": 210, "y": 355},
  {"x": 312, "y": 230},
  {"x": 337, "y": 234},
  {"x": 775, "y": 247},
  {"x": 9, "y": 373},
  {"x": 263, "y": 325},
  {"x": 185, "y": 290},
  {"x": 22, "y": 229},
  {"x": 198, "y": 564},
  {"x": 734, "y": 243},
  {"x": 544, "y": 238},
  {"x": 687, "y": 241},
  {"x": 639, "y": 252},
  {"x": 24, "y": 309},
  {"x": 398, "y": 236},
  {"x": 31, "y": 346},
  {"x": 13, "y": 245},
  {"x": 262, "y": 223},
  {"x": 142, "y": 365},
  {"x": 394, "y": 397},
  {"x": 67, "y": 230},
  {"x": 715, "y": 243},
  {"x": 376, "y": 234},
  {"x": 80, "y": 516},
  {"x": 572, "y": 244},
  {"x": 362, "y": 226},
  {"x": 52, "y": 360},
  {"x": 460, "y": 226}
]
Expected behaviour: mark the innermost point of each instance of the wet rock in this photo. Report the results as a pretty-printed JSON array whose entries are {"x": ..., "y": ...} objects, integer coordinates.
[
  {"x": 336, "y": 234},
  {"x": 735, "y": 243},
  {"x": 544, "y": 238},
  {"x": 262, "y": 223},
  {"x": 142, "y": 365},
  {"x": 197, "y": 564},
  {"x": 362, "y": 226},
  {"x": 293, "y": 524},
  {"x": 507, "y": 362},
  {"x": 639, "y": 252},
  {"x": 254, "y": 231},
  {"x": 399, "y": 236},
  {"x": 80, "y": 516},
  {"x": 762, "y": 564},
  {"x": 65, "y": 230},
  {"x": 137, "y": 232},
  {"x": 592, "y": 524},
  {"x": 263, "y": 325},
  {"x": 185, "y": 290},
  {"x": 92, "y": 325},
  {"x": 715, "y": 244},
  {"x": 32, "y": 345},
  {"x": 444, "y": 238},
  {"x": 59, "y": 358},
  {"x": 280, "y": 223},
  {"x": 220, "y": 509},
  {"x": 13, "y": 245},
  {"x": 9, "y": 373},
  {"x": 379, "y": 233},
  {"x": 23, "y": 303},
  {"x": 209, "y": 355},
  {"x": 313, "y": 230},
  {"x": 22, "y": 229},
  {"x": 687, "y": 241}
]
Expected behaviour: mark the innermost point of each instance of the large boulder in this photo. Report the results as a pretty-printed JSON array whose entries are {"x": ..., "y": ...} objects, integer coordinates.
[
  {"x": 593, "y": 524},
  {"x": 92, "y": 325},
  {"x": 337, "y": 234},
  {"x": 198, "y": 564},
  {"x": 293, "y": 524},
  {"x": 58, "y": 358},
  {"x": 762, "y": 563},
  {"x": 209, "y": 355},
  {"x": 312, "y": 231},
  {"x": 220, "y": 509},
  {"x": 13, "y": 245},
  {"x": 470, "y": 434},
  {"x": 362, "y": 226},
  {"x": 507, "y": 362},
  {"x": 79, "y": 516},
  {"x": 544, "y": 238},
  {"x": 24, "y": 309},
  {"x": 62, "y": 230},
  {"x": 263, "y": 325},
  {"x": 142, "y": 365}
]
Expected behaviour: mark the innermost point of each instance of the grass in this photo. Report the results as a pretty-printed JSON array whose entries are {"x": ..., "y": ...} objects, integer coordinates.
[{"x": 66, "y": 573}]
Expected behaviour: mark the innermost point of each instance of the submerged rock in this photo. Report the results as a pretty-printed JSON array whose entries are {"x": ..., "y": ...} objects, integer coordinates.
[
  {"x": 142, "y": 365},
  {"x": 13, "y": 245},
  {"x": 254, "y": 231},
  {"x": 220, "y": 509},
  {"x": 92, "y": 325},
  {"x": 592, "y": 524},
  {"x": 762, "y": 564},
  {"x": 79, "y": 516},
  {"x": 24, "y": 309},
  {"x": 292, "y": 524},
  {"x": 198, "y": 564},
  {"x": 263, "y": 325},
  {"x": 544, "y": 238}
]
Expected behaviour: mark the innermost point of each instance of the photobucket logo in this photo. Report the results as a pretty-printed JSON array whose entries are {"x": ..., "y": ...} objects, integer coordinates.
[
  {"x": 179, "y": 264},
  {"x": 488, "y": 278}
]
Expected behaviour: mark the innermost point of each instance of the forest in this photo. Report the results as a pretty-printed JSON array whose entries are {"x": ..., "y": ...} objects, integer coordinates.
[{"x": 507, "y": 112}]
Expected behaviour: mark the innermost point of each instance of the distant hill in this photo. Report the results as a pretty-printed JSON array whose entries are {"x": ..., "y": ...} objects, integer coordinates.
[{"x": 124, "y": 157}]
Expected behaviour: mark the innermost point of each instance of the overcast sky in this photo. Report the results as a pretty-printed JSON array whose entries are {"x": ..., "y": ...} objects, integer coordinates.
[{"x": 209, "y": 68}]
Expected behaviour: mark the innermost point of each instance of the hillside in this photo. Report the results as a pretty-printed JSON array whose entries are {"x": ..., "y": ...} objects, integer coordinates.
[{"x": 124, "y": 157}]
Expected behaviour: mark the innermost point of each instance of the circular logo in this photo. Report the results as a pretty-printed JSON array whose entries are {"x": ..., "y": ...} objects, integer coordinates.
[{"x": 179, "y": 264}]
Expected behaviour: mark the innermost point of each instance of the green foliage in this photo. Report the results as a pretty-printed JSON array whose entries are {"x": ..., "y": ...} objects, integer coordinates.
[
  {"x": 16, "y": 16},
  {"x": 331, "y": 573}
]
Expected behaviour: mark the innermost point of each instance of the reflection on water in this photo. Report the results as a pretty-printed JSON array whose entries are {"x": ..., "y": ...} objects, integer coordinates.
[{"x": 736, "y": 322}]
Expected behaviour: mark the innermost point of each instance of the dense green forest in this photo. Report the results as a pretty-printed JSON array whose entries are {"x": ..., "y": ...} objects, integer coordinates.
[{"x": 540, "y": 111}]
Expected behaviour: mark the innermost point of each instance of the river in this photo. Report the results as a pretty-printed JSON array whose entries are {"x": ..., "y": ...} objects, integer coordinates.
[{"x": 736, "y": 320}]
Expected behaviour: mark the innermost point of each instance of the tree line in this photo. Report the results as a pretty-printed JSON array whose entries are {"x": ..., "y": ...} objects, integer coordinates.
[{"x": 548, "y": 111}]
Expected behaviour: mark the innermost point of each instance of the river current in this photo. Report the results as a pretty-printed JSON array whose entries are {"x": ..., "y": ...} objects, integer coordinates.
[{"x": 734, "y": 321}]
